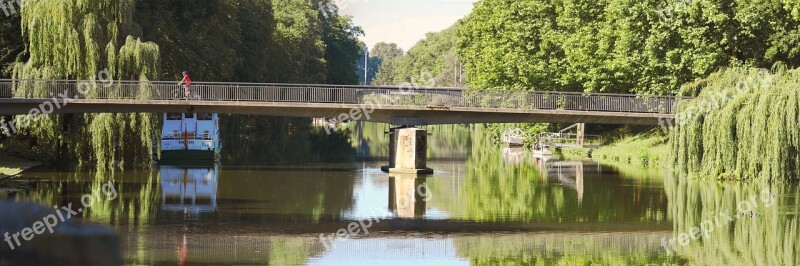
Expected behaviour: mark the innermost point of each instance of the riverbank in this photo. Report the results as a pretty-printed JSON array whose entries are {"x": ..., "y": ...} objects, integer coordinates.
[
  {"x": 10, "y": 167},
  {"x": 649, "y": 148}
]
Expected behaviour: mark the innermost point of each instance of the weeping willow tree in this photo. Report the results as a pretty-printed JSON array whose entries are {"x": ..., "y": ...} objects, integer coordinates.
[
  {"x": 76, "y": 39},
  {"x": 743, "y": 125}
]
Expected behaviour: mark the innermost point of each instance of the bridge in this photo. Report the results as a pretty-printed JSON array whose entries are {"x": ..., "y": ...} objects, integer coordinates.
[
  {"x": 405, "y": 106},
  {"x": 387, "y": 104}
]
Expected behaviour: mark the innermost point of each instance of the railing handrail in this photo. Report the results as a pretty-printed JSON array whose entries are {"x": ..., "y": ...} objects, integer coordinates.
[
  {"x": 365, "y": 87},
  {"x": 429, "y": 97}
]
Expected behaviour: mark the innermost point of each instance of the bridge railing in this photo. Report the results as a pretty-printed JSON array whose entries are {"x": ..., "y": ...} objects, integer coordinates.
[
  {"x": 552, "y": 139},
  {"x": 434, "y": 98}
]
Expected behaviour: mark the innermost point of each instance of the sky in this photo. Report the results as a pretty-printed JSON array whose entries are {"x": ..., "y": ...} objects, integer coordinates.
[{"x": 404, "y": 22}]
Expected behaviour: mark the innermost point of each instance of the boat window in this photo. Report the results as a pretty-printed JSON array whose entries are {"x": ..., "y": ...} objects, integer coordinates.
[
  {"x": 173, "y": 116},
  {"x": 188, "y": 115},
  {"x": 204, "y": 116}
]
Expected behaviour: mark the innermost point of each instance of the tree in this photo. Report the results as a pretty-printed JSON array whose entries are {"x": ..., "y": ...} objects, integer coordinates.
[
  {"x": 621, "y": 45},
  {"x": 11, "y": 44},
  {"x": 342, "y": 48},
  {"x": 257, "y": 25},
  {"x": 382, "y": 62},
  {"x": 76, "y": 40},
  {"x": 433, "y": 57},
  {"x": 201, "y": 37}
]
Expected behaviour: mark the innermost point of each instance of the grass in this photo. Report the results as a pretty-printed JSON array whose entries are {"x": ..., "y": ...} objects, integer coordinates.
[
  {"x": 10, "y": 165},
  {"x": 10, "y": 170},
  {"x": 650, "y": 148}
]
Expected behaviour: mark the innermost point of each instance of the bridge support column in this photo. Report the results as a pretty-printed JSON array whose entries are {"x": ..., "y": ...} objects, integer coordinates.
[{"x": 408, "y": 149}]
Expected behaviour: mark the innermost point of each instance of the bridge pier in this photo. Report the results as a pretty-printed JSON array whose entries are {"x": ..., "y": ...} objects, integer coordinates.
[{"x": 408, "y": 147}]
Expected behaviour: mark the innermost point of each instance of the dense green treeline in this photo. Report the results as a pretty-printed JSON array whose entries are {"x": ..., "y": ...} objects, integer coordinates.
[
  {"x": 382, "y": 68},
  {"x": 432, "y": 61},
  {"x": 11, "y": 45},
  {"x": 216, "y": 40},
  {"x": 252, "y": 40},
  {"x": 621, "y": 45}
]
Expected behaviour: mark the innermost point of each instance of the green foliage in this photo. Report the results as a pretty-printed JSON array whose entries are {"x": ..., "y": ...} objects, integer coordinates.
[
  {"x": 302, "y": 59},
  {"x": 342, "y": 49},
  {"x": 198, "y": 36},
  {"x": 75, "y": 40},
  {"x": 621, "y": 45},
  {"x": 383, "y": 63},
  {"x": 507, "y": 44},
  {"x": 743, "y": 125},
  {"x": 646, "y": 149},
  {"x": 433, "y": 57},
  {"x": 252, "y": 40},
  {"x": 11, "y": 43},
  {"x": 216, "y": 40}
]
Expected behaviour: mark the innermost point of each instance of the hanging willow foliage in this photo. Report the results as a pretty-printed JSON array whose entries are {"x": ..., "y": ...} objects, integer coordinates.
[
  {"x": 743, "y": 125},
  {"x": 75, "y": 39}
]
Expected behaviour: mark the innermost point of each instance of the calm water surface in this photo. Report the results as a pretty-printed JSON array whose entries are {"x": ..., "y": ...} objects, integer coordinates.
[{"x": 485, "y": 205}]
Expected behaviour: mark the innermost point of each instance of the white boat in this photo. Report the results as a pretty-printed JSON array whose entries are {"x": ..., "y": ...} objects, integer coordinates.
[
  {"x": 190, "y": 137},
  {"x": 541, "y": 150}
]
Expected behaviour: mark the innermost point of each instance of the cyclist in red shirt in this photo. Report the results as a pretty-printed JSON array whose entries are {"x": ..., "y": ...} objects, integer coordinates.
[{"x": 186, "y": 82}]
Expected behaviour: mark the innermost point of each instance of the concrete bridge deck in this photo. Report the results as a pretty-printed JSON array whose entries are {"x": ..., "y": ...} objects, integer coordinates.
[{"x": 396, "y": 105}]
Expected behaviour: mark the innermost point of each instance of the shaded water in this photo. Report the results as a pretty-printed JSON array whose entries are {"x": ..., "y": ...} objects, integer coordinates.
[{"x": 484, "y": 205}]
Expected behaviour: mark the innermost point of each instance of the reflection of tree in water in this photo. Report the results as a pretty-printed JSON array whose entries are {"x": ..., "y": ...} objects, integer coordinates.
[
  {"x": 256, "y": 196},
  {"x": 137, "y": 194},
  {"x": 564, "y": 249},
  {"x": 246, "y": 197},
  {"x": 767, "y": 237},
  {"x": 495, "y": 190},
  {"x": 262, "y": 140}
]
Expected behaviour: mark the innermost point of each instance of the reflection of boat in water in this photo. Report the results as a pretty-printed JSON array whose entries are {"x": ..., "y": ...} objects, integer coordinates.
[
  {"x": 190, "y": 136},
  {"x": 514, "y": 155},
  {"x": 189, "y": 189},
  {"x": 513, "y": 137},
  {"x": 540, "y": 151}
]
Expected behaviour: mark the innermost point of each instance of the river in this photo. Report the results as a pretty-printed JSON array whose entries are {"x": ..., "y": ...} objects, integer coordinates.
[{"x": 280, "y": 199}]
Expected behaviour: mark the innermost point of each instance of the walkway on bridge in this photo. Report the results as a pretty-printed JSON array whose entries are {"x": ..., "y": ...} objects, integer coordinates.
[{"x": 388, "y": 104}]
